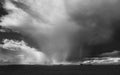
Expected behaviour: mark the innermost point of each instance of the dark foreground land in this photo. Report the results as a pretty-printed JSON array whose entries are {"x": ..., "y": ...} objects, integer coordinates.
[{"x": 59, "y": 70}]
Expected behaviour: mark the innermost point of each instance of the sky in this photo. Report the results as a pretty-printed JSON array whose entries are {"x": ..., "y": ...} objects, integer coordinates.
[{"x": 112, "y": 45}]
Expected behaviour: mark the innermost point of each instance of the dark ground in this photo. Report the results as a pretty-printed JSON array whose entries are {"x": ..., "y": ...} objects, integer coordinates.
[{"x": 59, "y": 70}]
